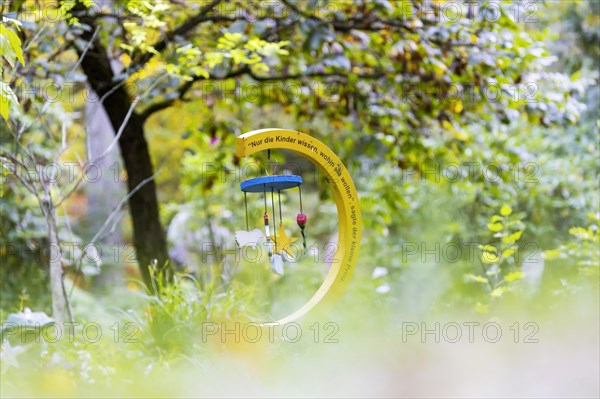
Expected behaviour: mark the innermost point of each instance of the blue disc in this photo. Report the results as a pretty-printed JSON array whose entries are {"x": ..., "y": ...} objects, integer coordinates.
[{"x": 268, "y": 183}]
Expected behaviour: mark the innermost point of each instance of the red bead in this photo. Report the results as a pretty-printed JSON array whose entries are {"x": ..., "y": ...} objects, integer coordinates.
[{"x": 301, "y": 219}]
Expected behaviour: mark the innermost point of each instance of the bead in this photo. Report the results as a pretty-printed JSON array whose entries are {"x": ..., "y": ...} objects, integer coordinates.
[{"x": 301, "y": 219}]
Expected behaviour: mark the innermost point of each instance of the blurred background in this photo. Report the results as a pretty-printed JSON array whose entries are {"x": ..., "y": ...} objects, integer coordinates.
[{"x": 470, "y": 130}]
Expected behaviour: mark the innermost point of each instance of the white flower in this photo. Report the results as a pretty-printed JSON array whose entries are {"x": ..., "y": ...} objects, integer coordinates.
[
  {"x": 380, "y": 272},
  {"x": 383, "y": 289}
]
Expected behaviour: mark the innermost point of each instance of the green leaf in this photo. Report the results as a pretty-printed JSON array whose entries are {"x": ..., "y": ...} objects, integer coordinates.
[
  {"x": 505, "y": 210},
  {"x": 488, "y": 248},
  {"x": 552, "y": 254},
  {"x": 260, "y": 67},
  {"x": 514, "y": 276},
  {"x": 477, "y": 279},
  {"x": 8, "y": 100},
  {"x": 495, "y": 226},
  {"x": 489, "y": 257},
  {"x": 580, "y": 233},
  {"x": 14, "y": 43},
  {"x": 439, "y": 68},
  {"x": 201, "y": 72},
  {"x": 508, "y": 252},
  {"x": 511, "y": 239},
  {"x": 6, "y": 49},
  {"x": 495, "y": 218}
]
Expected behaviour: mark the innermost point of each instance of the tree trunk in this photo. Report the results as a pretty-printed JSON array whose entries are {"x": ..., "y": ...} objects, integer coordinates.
[{"x": 149, "y": 237}]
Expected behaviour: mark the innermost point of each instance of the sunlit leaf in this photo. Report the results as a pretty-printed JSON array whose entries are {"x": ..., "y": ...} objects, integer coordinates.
[
  {"x": 514, "y": 276},
  {"x": 477, "y": 279},
  {"x": 508, "y": 252},
  {"x": 505, "y": 210},
  {"x": 495, "y": 227},
  {"x": 512, "y": 238},
  {"x": 489, "y": 257}
]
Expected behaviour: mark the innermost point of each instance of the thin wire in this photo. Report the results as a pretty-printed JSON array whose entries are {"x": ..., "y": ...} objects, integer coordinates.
[
  {"x": 246, "y": 206},
  {"x": 302, "y": 228},
  {"x": 279, "y": 195},
  {"x": 274, "y": 218},
  {"x": 265, "y": 196},
  {"x": 300, "y": 191}
]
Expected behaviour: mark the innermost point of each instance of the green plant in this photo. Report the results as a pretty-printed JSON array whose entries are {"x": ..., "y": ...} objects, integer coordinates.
[
  {"x": 172, "y": 320},
  {"x": 584, "y": 250},
  {"x": 498, "y": 261}
]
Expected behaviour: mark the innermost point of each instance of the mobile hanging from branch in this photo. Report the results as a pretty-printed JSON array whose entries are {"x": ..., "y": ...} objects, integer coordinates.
[{"x": 279, "y": 244}]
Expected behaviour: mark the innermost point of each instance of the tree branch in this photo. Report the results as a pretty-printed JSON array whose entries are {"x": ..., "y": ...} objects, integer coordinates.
[
  {"x": 183, "y": 89},
  {"x": 374, "y": 75},
  {"x": 10, "y": 165}
]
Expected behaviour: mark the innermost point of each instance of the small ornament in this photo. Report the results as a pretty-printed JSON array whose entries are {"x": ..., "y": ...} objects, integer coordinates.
[
  {"x": 277, "y": 264},
  {"x": 248, "y": 238},
  {"x": 301, "y": 219},
  {"x": 284, "y": 243}
]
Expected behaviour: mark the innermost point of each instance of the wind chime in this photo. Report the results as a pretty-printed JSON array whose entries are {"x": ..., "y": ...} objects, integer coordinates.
[{"x": 276, "y": 244}]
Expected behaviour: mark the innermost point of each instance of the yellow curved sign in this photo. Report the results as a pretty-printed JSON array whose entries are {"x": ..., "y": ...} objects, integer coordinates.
[{"x": 344, "y": 194}]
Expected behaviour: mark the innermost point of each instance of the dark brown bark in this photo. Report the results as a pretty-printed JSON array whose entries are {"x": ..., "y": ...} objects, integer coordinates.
[{"x": 149, "y": 237}]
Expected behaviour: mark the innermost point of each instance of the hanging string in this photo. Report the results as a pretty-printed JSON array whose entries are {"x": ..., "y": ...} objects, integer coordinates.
[
  {"x": 265, "y": 197},
  {"x": 266, "y": 219},
  {"x": 274, "y": 218},
  {"x": 301, "y": 219},
  {"x": 279, "y": 195},
  {"x": 300, "y": 191},
  {"x": 246, "y": 206},
  {"x": 267, "y": 171}
]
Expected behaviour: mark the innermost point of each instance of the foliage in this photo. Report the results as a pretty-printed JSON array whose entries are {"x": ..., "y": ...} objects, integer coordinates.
[
  {"x": 12, "y": 52},
  {"x": 584, "y": 251},
  {"x": 498, "y": 256},
  {"x": 172, "y": 320},
  {"x": 22, "y": 238}
]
